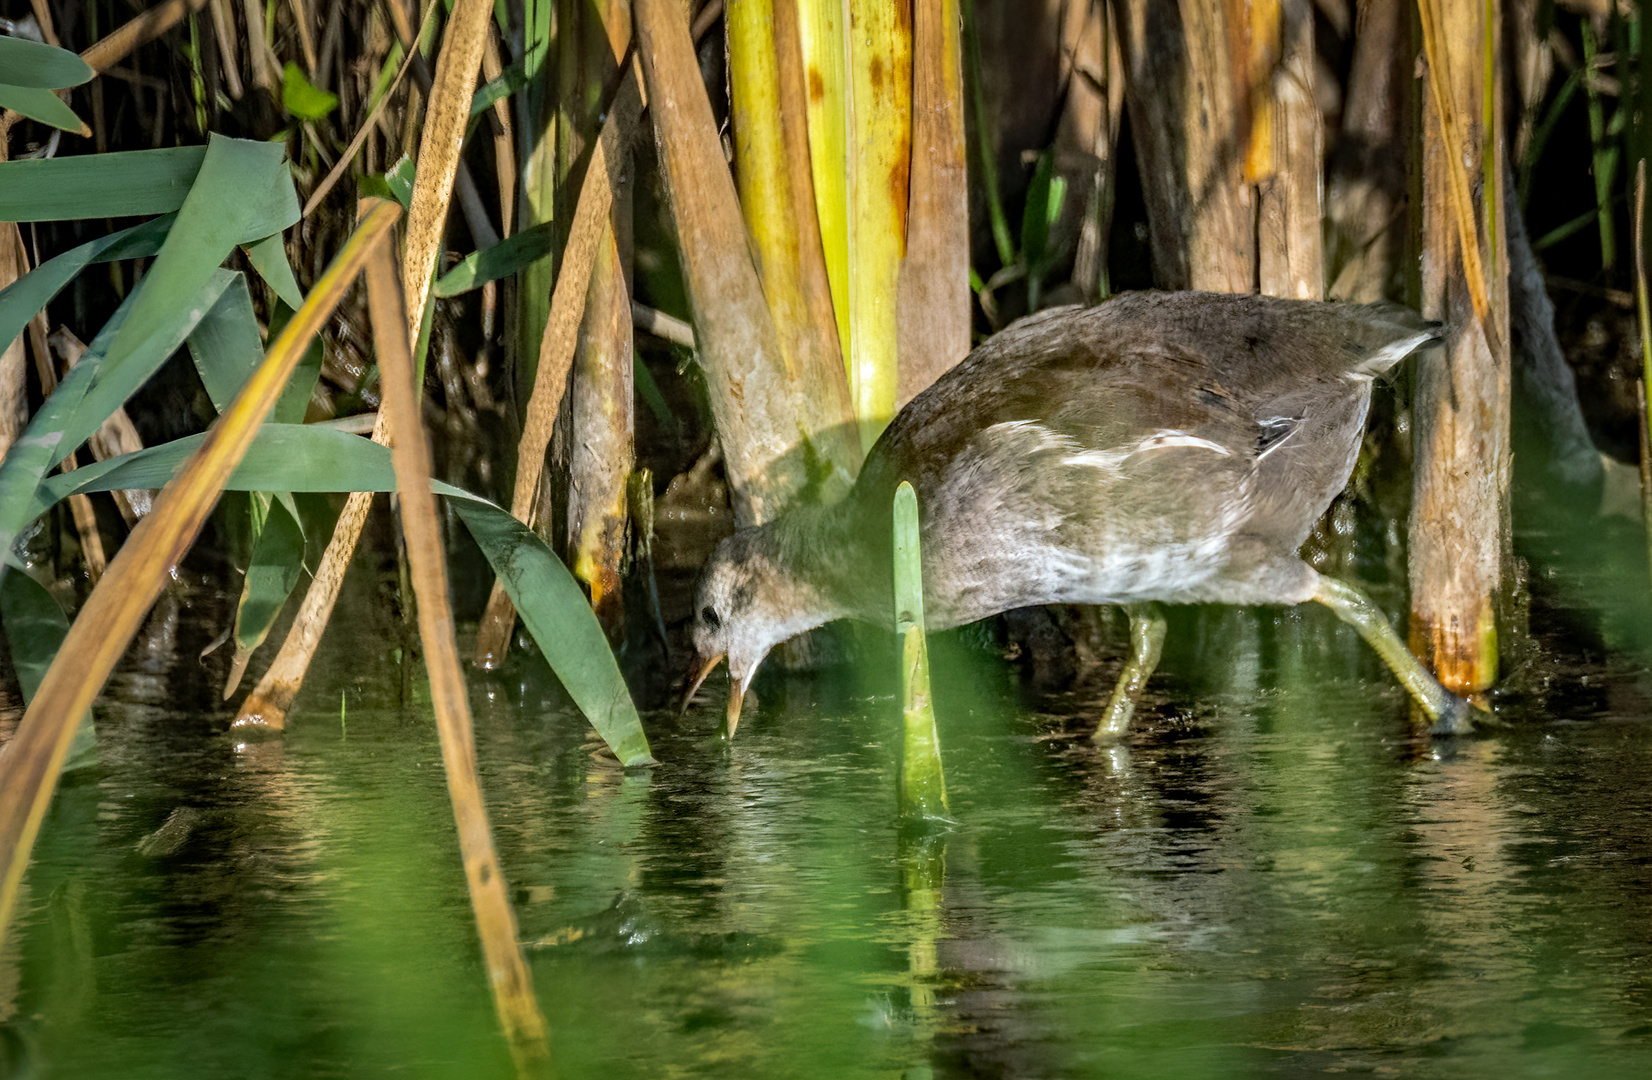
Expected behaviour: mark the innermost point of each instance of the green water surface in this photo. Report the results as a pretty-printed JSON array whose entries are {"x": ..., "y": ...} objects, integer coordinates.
[{"x": 1272, "y": 878}]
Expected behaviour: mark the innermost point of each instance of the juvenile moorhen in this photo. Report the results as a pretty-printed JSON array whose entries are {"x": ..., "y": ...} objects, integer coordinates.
[{"x": 1160, "y": 447}]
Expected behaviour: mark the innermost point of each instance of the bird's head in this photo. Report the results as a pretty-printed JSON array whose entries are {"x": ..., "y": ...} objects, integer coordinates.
[{"x": 747, "y": 601}]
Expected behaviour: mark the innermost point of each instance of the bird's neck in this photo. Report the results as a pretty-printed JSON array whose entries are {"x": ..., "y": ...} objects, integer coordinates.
[{"x": 828, "y": 567}]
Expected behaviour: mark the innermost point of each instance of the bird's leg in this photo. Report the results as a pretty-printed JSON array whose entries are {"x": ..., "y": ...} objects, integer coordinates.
[
  {"x": 1449, "y": 712},
  {"x": 1146, "y": 642}
]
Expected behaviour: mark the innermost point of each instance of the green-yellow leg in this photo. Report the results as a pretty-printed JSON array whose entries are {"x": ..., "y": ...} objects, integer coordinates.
[
  {"x": 1449, "y": 712},
  {"x": 1146, "y": 643}
]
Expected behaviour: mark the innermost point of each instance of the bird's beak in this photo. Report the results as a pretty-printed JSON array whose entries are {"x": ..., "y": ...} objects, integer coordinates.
[
  {"x": 737, "y": 681},
  {"x": 736, "y": 694},
  {"x": 706, "y": 668}
]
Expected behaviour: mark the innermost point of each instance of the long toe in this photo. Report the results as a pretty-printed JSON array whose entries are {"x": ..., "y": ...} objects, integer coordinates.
[{"x": 1456, "y": 717}]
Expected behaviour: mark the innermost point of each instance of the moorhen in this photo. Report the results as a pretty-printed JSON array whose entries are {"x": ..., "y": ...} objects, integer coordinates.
[{"x": 1171, "y": 447}]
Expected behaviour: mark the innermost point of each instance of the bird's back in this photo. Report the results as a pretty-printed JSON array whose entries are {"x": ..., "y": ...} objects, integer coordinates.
[{"x": 1118, "y": 452}]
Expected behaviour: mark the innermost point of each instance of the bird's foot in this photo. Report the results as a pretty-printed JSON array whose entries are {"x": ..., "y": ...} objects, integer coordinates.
[{"x": 1456, "y": 716}]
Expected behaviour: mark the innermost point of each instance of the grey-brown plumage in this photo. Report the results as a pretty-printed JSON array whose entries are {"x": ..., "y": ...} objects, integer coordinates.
[{"x": 1161, "y": 447}]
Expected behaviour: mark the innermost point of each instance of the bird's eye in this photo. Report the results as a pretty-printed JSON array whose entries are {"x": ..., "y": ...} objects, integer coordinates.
[{"x": 708, "y": 615}]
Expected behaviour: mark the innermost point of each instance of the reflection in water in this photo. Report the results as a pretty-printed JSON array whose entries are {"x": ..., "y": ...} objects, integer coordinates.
[{"x": 1272, "y": 877}]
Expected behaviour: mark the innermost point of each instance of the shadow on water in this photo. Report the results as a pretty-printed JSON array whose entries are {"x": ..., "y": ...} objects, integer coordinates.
[{"x": 1272, "y": 877}]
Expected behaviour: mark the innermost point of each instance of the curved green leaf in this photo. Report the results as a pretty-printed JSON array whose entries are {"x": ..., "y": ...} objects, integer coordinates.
[
  {"x": 499, "y": 260},
  {"x": 35, "y": 628},
  {"x": 41, "y": 105},
  {"x": 295, "y": 457},
  {"x": 20, "y": 300},
  {"x": 30, "y": 63},
  {"x": 268, "y": 256}
]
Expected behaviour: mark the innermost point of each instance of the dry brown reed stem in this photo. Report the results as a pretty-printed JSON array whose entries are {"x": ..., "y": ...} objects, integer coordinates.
[
  {"x": 934, "y": 299},
  {"x": 1456, "y": 125},
  {"x": 768, "y": 424},
  {"x": 43, "y": 15},
  {"x": 30, "y": 763},
  {"x": 151, "y": 24},
  {"x": 1290, "y": 215},
  {"x": 1089, "y": 127},
  {"x": 260, "y": 58},
  {"x": 508, "y": 975},
  {"x": 1643, "y": 312},
  {"x": 1366, "y": 181},
  {"x": 504, "y": 143},
  {"x": 556, "y": 346},
  {"x": 306, "y": 36},
  {"x": 349, "y": 155},
  {"x": 223, "y": 28},
  {"x": 601, "y": 430},
  {"x": 14, "y": 376},
  {"x": 1459, "y": 520},
  {"x": 439, "y": 147},
  {"x": 1201, "y": 214}
]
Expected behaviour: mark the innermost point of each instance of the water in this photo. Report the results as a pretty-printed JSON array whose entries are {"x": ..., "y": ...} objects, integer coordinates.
[{"x": 1274, "y": 878}]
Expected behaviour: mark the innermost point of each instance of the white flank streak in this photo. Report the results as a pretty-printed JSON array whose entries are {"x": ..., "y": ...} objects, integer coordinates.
[
  {"x": 1047, "y": 439},
  {"x": 1159, "y": 440},
  {"x": 1389, "y": 355}
]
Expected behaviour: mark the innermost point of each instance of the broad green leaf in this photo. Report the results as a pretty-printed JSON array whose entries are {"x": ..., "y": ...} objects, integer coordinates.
[
  {"x": 501, "y": 260},
  {"x": 238, "y": 181},
  {"x": 41, "y": 105},
  {"x": 37, "y": 450},
  {"x": 132, "y": 183},
  {"x": 226, "y": 347},
  {"x": 557, "y": 614},
  {"x": 84, "y": 399},
  {"x": 289, "y": 457},
  {"x": 295, "y": 399},
  {"x": 302, "y": 98},
  {"x": 23, "y": 298},
  {"x": 35, "y": 627},
  {"x": 269, "y": 257},
  {"x": 272, "y": 572},
  {"x": 142, "y": 356},
  {"x": 29, "y": 63},
  {"x": 225, "y": 344}
]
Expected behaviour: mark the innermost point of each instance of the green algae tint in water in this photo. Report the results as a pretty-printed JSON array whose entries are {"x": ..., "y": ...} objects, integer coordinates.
[{"x": 1270, "y": 880}]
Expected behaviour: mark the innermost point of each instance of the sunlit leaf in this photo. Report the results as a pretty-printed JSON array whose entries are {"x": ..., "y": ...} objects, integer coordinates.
[{"x": 302, "y": 98}]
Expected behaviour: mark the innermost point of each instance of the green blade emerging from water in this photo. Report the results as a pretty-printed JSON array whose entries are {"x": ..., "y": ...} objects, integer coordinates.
[{"x": 923, "y": 783}]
